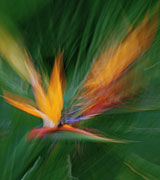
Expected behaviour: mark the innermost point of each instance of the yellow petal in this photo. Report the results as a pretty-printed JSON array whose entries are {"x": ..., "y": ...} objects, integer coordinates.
[
  {"x": 54, "y": 93},
  {"x": 50, "y": 103},
  {"x": 13, "y": 52},
  {"x": 22, "y": 104}
]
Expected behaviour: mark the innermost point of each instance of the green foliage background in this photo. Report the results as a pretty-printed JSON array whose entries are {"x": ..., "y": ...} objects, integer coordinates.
[{"x": 81, "y": 29}]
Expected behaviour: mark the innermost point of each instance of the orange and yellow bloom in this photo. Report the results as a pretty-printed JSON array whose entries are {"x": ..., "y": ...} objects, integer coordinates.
[{"x": 103, "y": 88}]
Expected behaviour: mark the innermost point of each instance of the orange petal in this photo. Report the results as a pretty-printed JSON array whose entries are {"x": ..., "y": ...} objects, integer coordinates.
[
  {"x": 106, "y": 82},
  {"x": 114, "y": 61},
  {"x": 22, "y": 104},
  {"x": 37, "y": 86}
]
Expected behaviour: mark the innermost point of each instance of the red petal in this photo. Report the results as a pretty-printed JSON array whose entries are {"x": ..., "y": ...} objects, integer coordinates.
[{"x": 42, "y": 132}]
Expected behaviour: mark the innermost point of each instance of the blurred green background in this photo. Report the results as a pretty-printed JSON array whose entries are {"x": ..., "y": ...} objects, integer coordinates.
[{"x": 79, "y": 29}]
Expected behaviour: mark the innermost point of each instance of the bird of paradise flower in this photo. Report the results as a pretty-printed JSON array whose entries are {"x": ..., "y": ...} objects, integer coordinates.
[{"x": 103, "y": 88}]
